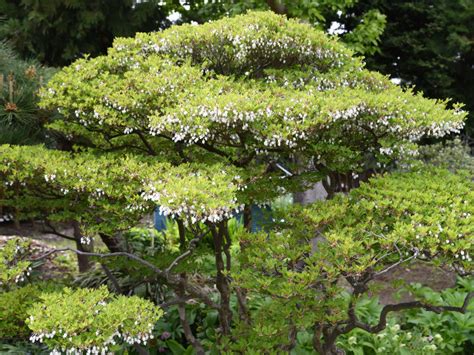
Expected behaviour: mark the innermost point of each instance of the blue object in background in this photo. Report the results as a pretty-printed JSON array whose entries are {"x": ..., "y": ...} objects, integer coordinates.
[
  {"x": 261, "y": 217},
  {"x": 159, "y": 220}
]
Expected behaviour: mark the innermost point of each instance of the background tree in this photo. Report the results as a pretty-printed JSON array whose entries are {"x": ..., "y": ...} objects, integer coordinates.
[
  {"x": 59, "y": 31},
  {"x": 21, "y": 121},
  {"x": 428, "y": 44}
]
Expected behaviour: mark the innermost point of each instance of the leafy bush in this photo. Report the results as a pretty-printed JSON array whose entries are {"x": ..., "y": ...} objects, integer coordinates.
[
  {"x": 91, "y": 320},
  {"x": 453, "y": 155},
  {"x": 14, "y": 307}
]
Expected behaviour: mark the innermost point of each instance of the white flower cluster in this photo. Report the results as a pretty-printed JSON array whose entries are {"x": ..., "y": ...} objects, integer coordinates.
[
  {"x": 411, "y": 131},
  {"x": 95, "y": 350},
  {"x": 21, "y": 276},
  {"x": 114, "y": 105},
  {"x": 322, "y": 83},
  {"x": 463, "y": 255},
  {"x": 6, "y": 217},
  {"x": 116, "y": 338},
  {"x": 135, "y": 207},
  {"x": 141, "y": 338},
  {"x": 201, "y": 214},
  {"x": 190, "y": 209},
  {"x": 247, "y": 47},
  {"x": 441, "y": 129},
  {"x": 350, "y": 113},
  {"x": 386, "y": 151},
  {"x": 85, "y": 240},
  {"x": 182, "y": 128},
  {"x": 98, "y": 193},
  {"x": 49, "y": 178}
]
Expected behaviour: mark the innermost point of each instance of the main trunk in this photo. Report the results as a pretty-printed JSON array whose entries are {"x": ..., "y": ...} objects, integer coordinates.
[
  {"x": 222, "y": 282},
  {"x": 83, "y": 261}
]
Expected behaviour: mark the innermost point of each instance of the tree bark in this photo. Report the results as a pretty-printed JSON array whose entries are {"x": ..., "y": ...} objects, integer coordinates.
[
  {"x": 277, "y": 6},
  {"x": 113, "y": 243},
  {"x": 222, "y": 283},
  {"x": 83, "y": 261},
  {"x": 247, "y": 216}
]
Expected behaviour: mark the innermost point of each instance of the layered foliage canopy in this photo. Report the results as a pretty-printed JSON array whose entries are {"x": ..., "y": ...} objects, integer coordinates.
[
  {"x": 110, "y": 193},
  {"x": 253, "y": 86}
]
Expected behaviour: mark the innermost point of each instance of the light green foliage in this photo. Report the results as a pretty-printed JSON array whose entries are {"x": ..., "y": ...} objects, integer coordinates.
[
  {"x": 392, "y": 340},
  {"x": 14, "y": 266},
  {"x": 14, "y": 306},
  {"x": 409, "y": 210},
  {"x": 91, "y": 320},
  {"x": 389, "y": 220},
  {"x": 109, "y": 193},
  {"x": 256, "y": 86}
]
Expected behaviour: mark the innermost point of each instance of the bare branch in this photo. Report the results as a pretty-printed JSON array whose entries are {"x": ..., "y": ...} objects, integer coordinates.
[
  {"x": 146, "y": 143},
  {"x": 188, "y": 333},
  {"x": 410, "y": 305},
  {"x": 401, "y": 261},
  {"x": 180, "y": 300},
  {"x": 107, "y": 255},
  {"x": 354, "y": 322},
  {"x": 112, "y": 278}
]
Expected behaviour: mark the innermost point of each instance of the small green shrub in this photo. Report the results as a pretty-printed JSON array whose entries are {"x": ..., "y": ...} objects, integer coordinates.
[
  {"x": 14, "y": 306},
  {"x": 91, "y": 320}
]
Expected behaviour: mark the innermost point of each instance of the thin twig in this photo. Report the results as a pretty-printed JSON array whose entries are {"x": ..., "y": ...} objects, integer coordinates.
[{"x": 401, "y": 261}]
